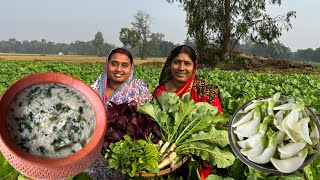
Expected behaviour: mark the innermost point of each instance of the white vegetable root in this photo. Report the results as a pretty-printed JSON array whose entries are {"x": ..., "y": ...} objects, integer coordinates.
[
  {"x": 168, "y": 160},
  {"x": 164, "y": 148}
]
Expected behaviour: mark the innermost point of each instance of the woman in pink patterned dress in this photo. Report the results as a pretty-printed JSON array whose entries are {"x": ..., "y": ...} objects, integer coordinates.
[{"x": 117, "y": 84}]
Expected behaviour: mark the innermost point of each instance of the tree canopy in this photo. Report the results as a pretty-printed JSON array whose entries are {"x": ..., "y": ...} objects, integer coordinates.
[
  {"x": 148, "y": 43},
  {"x": 218, "y": 25},
  {"x": 129, "y": 37}
]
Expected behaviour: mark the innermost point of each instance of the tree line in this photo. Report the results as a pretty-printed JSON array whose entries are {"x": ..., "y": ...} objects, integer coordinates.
[
  {"x": 278, "y": 50},
  {"x": 48, "y": 47},
  {"x": 157, "y": 47}
]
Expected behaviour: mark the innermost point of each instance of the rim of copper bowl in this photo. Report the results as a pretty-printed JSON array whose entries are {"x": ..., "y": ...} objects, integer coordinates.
[{"x": 59, "y": 78}]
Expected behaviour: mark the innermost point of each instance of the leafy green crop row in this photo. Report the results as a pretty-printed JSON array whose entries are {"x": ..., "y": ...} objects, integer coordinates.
[
  {"x": 11, "y": 71},
  {"x": 236, "y": 87}
]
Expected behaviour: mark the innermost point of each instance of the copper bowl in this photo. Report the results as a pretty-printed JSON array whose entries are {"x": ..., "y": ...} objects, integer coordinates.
[{"x": 59, "y": 168}]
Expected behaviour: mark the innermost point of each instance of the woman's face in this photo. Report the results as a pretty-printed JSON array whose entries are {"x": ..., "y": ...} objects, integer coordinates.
[
  {"x": 181, "y": 68},
  {"x": 119, "y": 68}
]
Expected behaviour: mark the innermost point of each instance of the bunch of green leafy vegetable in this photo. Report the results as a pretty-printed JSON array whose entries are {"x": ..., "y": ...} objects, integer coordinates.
[
  {"x": 6, "y": 170},
  {"x": 130, "y": 156},
  {"x": 312, "y": 171},
  {"x": 188, "y": 128}
]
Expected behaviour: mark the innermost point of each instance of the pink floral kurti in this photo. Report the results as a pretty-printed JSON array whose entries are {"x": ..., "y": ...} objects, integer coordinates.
[{"x": 132, "y": 89}]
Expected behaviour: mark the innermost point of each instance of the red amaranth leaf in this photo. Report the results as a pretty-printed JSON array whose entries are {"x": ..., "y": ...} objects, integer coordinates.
[{"x": 124, "y": 119}]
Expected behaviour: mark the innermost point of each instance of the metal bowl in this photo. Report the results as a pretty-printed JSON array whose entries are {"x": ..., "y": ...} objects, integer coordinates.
[
  {"x": 268, "y": 168},
  {"x": 45, "y": 168}
]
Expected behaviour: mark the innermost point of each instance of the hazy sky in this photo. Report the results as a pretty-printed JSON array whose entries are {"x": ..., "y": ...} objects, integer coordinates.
[{"x": 70, "y": 20}]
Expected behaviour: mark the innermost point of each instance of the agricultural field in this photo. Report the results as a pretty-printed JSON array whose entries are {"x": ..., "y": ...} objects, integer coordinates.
[{"x": 236, "y": 87}]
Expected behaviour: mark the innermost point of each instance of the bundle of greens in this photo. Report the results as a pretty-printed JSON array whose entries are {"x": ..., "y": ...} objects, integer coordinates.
[
  {"x": 188, "y": 128},
  {"x": 130, "y": 156}
]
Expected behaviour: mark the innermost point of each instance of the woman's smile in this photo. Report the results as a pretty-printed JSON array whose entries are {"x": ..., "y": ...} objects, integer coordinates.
[
  {"x": 181, "y": 74},
  {"x": 117, "y": 75}
]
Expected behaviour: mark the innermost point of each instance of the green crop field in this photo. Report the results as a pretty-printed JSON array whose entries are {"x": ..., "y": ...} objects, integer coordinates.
[{"x": 236, "y": 87}]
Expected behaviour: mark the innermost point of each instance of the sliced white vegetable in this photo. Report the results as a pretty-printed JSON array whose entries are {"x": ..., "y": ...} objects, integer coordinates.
[
  {"x": 276, "y": 96},
  {"x": 257, "y": 150},
  {"x": 268, "y": 153},
  {"x": 253, "y": 140},
  {"x": 277, "y": 121},
  {"x": 314, "y": 131},
  {"x": 270, "y": 107},
  {"x": 264, "y": 125},
  {"x": 304, "y": 112},
  {"x": 251, "y": 127},
  {"x": 314, "y": 135},
  {"x": 300, "y": 115},
  {"x": 292, "y": 121},
  {"x": 244, "y": 119},
  {"x": 287, "y": 106},
  {"x": 250, "y": 142},
  {"x": 264, "y": 109},
  {"x": 304, "y": 129},
  {"x": 241, "y": 138},
  {"x": 292, "y": 148},
  {"x": 280, "y": 137},
  {"x": 296, "y": 137},
  {"x": 243, "y": 144},
  {"x": 291, "y": 164},
  {"x": 286, "y": 156},
  {"x": 253, "y": 105}
]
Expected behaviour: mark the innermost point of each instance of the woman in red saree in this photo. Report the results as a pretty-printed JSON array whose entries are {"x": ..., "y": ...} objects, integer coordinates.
[{"x": 179, "y": 76}]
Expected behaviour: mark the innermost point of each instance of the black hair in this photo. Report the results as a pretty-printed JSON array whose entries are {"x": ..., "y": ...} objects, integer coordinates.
[
  {"x": 184, "y": 49},
  {"x": 121, "y": 51}
]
